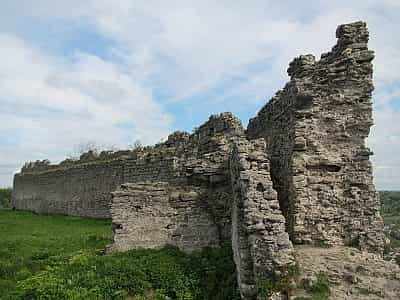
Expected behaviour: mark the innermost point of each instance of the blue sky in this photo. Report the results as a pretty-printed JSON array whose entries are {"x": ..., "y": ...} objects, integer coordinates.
[{"x": 112, "y": 72}]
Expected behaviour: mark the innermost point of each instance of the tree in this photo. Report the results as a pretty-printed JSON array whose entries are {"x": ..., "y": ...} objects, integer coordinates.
[
  {"x": 137, "y": 146},
  {"x": 5, "y": 197},
  {"x": 86, "y": 146}
]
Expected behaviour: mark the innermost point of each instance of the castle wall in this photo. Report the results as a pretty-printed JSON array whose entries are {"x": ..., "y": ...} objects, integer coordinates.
[
  {"x": 260, "y": 243},
  {"x": 84, "y": 187},
  {"x": 315, "y": 130},
  {"x": 83, "y": 190},
  {"x": 154, "y": 214}
]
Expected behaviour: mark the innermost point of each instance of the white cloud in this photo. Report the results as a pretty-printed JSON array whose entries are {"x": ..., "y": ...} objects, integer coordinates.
[
  {"x": 385, "y": 141},
  {"x": 51, "y": 104},
  {"x": 229, "y": 50}
]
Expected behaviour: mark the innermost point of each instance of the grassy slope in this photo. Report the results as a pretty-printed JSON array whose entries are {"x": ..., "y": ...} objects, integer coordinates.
[
  {"x": 59, "y": 257},
  {"x": 30, "y": 243}
]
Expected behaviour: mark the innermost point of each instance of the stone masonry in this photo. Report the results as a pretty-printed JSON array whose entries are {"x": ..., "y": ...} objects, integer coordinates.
[
  {"x": 84, "y": 187},
  {"x": 260, "y": 243},
  {"x": 157, "y": 213},
  {"x": 299, "y": 174},
  {"x": 315, "y": 130}
]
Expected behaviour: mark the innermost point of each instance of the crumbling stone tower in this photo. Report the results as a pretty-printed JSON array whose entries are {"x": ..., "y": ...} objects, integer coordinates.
[
  {"x": 315, "y": 130},
  {"x": 299, "y": 174}
]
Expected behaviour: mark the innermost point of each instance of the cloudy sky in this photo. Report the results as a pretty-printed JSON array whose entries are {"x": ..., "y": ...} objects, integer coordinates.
[{"x": 116, "y": 71}]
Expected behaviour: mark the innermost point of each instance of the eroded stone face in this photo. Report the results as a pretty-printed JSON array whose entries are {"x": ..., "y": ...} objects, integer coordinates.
[
  {"x": 260, "y": 243},
  {"x": 84, "y": 187},
  {"x": 315, "y": 130},
  {"x": 156, "y": 214}
]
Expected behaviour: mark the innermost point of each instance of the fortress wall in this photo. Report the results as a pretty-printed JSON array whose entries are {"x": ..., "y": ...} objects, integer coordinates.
[
  {"x": 84, "y": 187},
  {"x": 318, "y": 123},
  {"x": 83, "y": 190},
  {"x": 260, "y": 243},
  {"x": 190, "y": 208},
  {"x": 154, "y": 214}
]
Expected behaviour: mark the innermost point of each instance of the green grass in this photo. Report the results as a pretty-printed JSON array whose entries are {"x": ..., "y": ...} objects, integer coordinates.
[
  {"x": 31, "y": 243},
  {"x": 60, "y": 257}
]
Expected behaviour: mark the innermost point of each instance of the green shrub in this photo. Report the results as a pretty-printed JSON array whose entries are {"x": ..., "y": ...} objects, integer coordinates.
[
  {"x": 321, "y": 286},
  {"x": 175, "y": 275},
  {"x": 320, "y": 290},
  {"x": 267, "y": 285}
]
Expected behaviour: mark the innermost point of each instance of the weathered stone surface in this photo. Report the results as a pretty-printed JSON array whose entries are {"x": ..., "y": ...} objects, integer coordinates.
[
  {"x": 260, "y": 244},
  {"x": 315, "y": 130},
  {"x": 152, "y": 215},
  {"x": 352, "y": 274},
  {"x": 84, "y": 187}
]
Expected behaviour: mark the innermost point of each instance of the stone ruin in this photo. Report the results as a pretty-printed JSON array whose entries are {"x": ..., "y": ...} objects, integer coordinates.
[{"x": 299, "y": 174}]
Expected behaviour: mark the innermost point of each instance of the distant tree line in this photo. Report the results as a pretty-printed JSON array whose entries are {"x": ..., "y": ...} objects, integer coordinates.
[
  {"x": 390, "y": 202},
  {"x": 5, "y": 197}
]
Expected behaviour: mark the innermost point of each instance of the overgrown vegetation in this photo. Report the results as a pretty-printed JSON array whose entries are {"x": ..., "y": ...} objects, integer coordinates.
[
  {"x": 137, "y": 146},
  {"x": 60, "y": 257},
  {"x": 319, "y": 290},
  {"x": 390, "y": 203},
  {"x": 5, "y": 197},
  {"x": 283, "y": 284},
  {"x": 390, "y": 210}
]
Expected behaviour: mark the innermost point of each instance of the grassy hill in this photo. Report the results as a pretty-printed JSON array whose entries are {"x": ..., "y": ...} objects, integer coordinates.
[{"x": 60, "y": 257}]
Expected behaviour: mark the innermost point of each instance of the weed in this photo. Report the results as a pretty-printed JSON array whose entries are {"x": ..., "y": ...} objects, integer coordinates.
[
  {"x": 267, "y": 285},
  {"x": 319, "y": 290}
]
